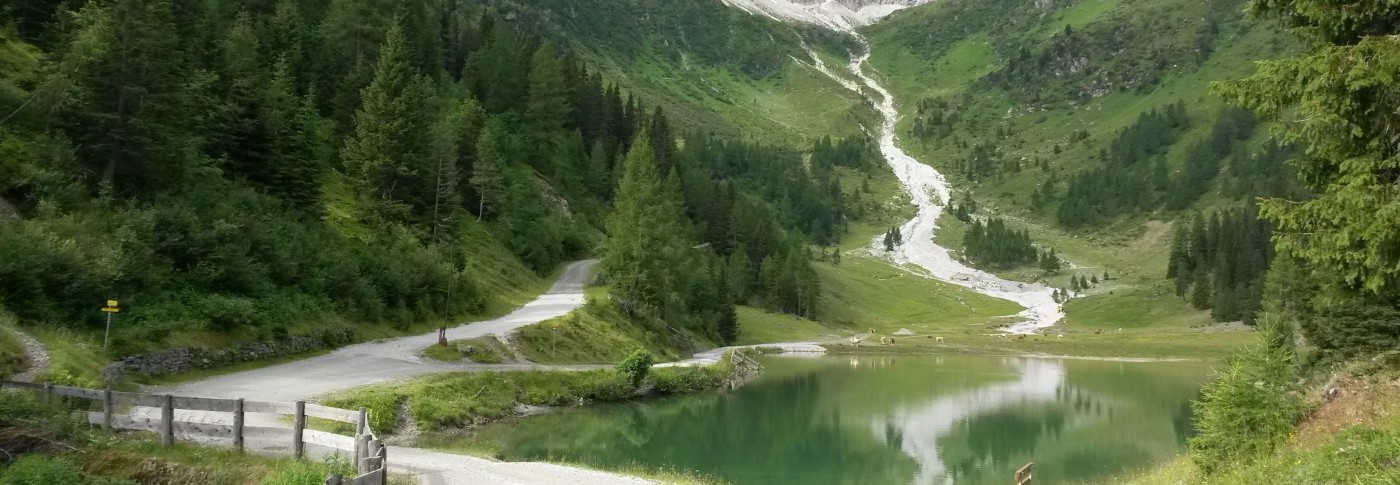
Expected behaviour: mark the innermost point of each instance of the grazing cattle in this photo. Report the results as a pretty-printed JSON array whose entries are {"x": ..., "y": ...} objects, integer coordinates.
[
  {"x": 938, "y": 339},
  {"x": 855, "y": 341},
  {"x": 887, "y": 340},
  {"x": 871, "y": 331},
  {"x": 1060, "y": 335},
  {"x": 1021, "y": 337}
]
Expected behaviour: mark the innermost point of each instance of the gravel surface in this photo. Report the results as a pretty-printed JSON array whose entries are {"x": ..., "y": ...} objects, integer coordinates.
[
  {"x": 389, "y": 359},
  {"x": 398, "y": 358},
  {"x": 35, "y": 358}
]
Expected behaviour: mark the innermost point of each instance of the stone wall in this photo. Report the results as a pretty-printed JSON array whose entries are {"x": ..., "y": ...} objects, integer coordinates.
[{"x": 185, "y": 359}]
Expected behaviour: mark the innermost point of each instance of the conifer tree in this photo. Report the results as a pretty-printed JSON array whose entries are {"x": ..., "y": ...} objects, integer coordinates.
[
  {"x": 728, "y": 324},
  {"x": 643, "y": 254},
  {"x": 382, "y": 152},
  {"x": 1201, "y": 292},
  {"x": 548, "y": 109},
  {"x": 488, "y": 178}
]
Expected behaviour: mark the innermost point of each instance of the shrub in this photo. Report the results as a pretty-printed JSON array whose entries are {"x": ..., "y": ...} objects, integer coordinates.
[
  {"x": 1253, "y": 404},
  {"x": 635, "y": 366},
  {"x": 41, "y": 470},
  {"x": 681, "y": 380}
]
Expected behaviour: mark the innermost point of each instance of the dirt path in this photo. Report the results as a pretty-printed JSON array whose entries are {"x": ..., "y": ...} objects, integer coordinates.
[
  {"x": 389, "y": 359},
  {"x": 35, "y": 357},
  {"x": 394, "y": 359}
]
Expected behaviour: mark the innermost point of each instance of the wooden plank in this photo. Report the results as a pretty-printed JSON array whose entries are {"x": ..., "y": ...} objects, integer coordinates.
[
  {"x": 123, "y": 421},
  {"x": 206, "y": 404},
  {"x": 136, "y": 399},
  {"x": 334, "y": 414},
  {"x": 22, "y": 385},
  {"x": 267, "y": 433},
  {"x": 366, "y": 479},
  {"x": 203, "y": 429},
  {"x": 269, "y": 407},
  {"x": 329, "y": 440},
  {"x": 78, "y": 393}
]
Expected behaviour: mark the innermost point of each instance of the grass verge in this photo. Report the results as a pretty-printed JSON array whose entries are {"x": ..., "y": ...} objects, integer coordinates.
[
  {"x": 465, "y": 399},
  {"x": 483, "y": 350},
  {"x": 44, "y": 446},
  {"x": 11, "y": 352},
  {"x": 597, "y": 333}
]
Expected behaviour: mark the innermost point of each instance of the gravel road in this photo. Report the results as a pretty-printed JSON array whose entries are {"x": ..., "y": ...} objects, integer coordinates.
[
  {"x": 393, "y": 359},
  {"x": 386, "y": 360}
]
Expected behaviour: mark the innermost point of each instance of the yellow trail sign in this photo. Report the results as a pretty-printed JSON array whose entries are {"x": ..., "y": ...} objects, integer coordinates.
[{"x": 112, "y": 310}]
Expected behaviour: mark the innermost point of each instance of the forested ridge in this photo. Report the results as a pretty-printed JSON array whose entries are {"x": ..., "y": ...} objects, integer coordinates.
[{"x": 247, "y": 167}]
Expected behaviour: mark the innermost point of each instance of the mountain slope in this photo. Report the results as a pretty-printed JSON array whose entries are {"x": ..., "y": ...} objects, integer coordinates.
[{"x": 1016, "y": 101}]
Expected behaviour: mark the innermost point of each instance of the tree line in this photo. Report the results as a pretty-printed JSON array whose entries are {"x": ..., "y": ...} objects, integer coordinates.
[
  {"x": 1218, "y": 263},
  {"x": 246, "y": 165}
]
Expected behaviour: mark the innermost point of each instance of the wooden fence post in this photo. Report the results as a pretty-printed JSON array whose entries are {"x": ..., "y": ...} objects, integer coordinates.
[
  {"x": 238, "y": 425},
  {"x": 333, "y": 479},
  {"x": 361, "y": 452},
  {"x": 167, "y": 421},
  {"x": 1023, "y": 476},
  {"x": 298, "y": 425},
  {"x": 372, "y": 456},
  {"x": 107, "y": 409},
  {"x": 384, "y": 465},
  {"x": 361, "y": 423}
]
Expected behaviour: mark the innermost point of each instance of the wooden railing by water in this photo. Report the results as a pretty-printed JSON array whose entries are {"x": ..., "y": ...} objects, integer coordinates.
[
  {"x": 229, "y": 426},
  {"x": 1023, "y": 476}
]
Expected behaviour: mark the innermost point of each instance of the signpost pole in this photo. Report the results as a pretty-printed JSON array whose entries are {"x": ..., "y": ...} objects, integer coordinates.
[{"x": 112, "y": 307}]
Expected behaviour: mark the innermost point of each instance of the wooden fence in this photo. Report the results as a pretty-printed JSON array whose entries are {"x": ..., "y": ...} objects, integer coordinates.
[
  {"x": 230, "y": 426},
  {"x": 1023, "y": 476}
]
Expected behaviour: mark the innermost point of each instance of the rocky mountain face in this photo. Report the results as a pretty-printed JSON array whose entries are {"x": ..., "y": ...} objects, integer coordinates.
[{"x": 837, "y": 14}]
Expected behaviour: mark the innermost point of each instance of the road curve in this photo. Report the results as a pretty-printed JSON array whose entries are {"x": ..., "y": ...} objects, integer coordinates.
[{"x": 389, "y": 359}]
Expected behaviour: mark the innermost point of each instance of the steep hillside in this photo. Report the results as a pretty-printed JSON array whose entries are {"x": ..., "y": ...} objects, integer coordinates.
[
  {"x": 1043, "y": 113},
  {"x": 711, "y": 67}
]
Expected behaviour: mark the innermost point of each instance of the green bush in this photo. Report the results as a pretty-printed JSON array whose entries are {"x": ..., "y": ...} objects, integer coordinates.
[
  {"x": 309, "y": 472},
  {"x": 681, "y": 380},
  {"x": 41, "y": 470},
  {"x": 1252, "y": 406},
  {"x": 48, "y": 470},
  {"x": 635, "y": 366}
]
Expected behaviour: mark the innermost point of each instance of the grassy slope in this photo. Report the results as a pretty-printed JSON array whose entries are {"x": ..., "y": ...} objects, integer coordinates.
[
  {"x": 1134, "y": 250},
  {"x": 464, "y": 399},
  {"x": 1352, "y": 439},
  {"x": 136, "y": 457},
  {"x": 11, "y": 352},
  {"x": 596, "y": 334}
]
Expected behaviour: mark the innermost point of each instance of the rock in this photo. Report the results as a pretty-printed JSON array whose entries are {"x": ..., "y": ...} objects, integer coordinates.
[{"x": 904, "y": 331}]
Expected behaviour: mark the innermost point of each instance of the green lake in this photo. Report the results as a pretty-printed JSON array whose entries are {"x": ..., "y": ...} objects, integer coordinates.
[{"x": 883, "y": 420}]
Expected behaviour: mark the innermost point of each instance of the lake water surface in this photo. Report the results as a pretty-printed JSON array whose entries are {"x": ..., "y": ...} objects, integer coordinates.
[{"x": 965, "y": 420}]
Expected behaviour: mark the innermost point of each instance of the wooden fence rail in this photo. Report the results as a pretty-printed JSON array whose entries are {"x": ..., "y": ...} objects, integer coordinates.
[
  {"x": 370, "y": 456},
  {"x": 1023, "y": 476}
]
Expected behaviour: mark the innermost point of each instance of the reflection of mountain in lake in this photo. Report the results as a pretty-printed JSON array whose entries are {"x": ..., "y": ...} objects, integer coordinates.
[
  {"x": 924, "y": 425},
  {"x": 964, "y": 420}
]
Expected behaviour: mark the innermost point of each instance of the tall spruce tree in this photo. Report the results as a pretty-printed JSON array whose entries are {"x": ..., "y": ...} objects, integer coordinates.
[
  {"x": 644, "y": 253},
  {"x": 383, "y": 150}
]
